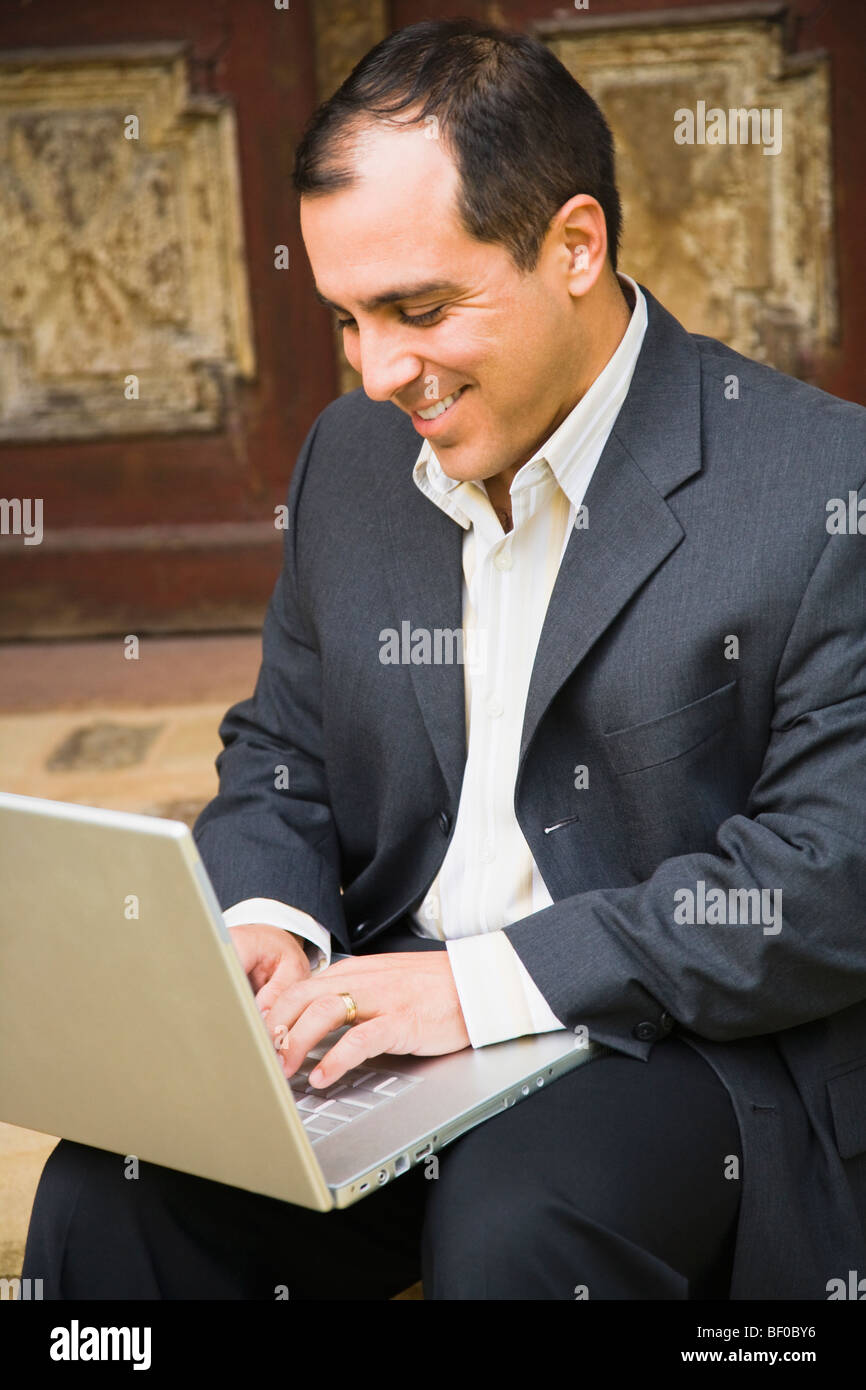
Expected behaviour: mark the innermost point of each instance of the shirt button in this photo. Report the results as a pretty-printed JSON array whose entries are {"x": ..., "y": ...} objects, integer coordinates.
[
  {"x": 488, "y": 852},
  {"x": 493, "y": 706},
  {"x": 444, "y": 822},
  {"x": 645, "y": 1032},
  {"x": 503, "y": 560}
]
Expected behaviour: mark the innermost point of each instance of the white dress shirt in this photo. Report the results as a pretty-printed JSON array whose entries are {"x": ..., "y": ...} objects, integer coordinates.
[{"x": 488, "y": 878}]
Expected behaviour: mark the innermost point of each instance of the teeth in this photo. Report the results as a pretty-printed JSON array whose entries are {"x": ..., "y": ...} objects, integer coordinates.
[{"x": 439, "y": 408}]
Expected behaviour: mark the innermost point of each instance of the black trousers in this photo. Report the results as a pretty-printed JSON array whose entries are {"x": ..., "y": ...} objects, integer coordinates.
[{"x": 612, "y": 1183}]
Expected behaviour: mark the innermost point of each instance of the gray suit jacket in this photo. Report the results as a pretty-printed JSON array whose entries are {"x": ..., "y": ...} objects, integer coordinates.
[{"x": 707, "y": 520}]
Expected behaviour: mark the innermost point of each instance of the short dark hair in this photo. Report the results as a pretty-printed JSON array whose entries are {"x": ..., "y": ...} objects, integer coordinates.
[{"x": 524, "y": 134}]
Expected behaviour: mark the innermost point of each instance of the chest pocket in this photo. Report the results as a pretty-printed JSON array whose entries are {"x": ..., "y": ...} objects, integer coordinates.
[{"x": 670, "y": 735}]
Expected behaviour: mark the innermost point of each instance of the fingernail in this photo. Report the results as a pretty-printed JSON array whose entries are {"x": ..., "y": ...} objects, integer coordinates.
[{"x": 317, "y": 1077}]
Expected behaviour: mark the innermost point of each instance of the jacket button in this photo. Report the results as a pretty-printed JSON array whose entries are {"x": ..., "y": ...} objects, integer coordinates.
[
  {"x": 360, "y": 928},
  {"x": 444, "y": 822},
  {"x": 666, "y": 1022},
  {"x": 645, "y": 1032}
]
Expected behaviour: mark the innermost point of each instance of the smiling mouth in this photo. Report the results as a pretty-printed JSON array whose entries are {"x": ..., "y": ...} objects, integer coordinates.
[{"x": 440, "y": 407}]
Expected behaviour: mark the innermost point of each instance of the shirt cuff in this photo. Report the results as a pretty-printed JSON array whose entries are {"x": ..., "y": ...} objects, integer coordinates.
[
  {"x": 276, "y": 914},
  {"x": 498, "y": 996}
]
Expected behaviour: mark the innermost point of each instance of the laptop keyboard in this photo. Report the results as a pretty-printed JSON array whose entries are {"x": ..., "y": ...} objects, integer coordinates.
[{"x": 358, "y": 1092}]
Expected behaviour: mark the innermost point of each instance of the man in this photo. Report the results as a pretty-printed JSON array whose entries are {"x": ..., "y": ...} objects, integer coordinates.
[{"x": 637, "y": 807}]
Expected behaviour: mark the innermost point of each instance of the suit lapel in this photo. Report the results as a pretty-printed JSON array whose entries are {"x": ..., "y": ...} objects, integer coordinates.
[
  {"x": 653, "y": 447},
  {"x": 423, "y": 562},
  {"x": 630, "y": 532}
]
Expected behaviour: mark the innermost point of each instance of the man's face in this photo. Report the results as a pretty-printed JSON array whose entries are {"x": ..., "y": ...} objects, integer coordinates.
[{"x": 505, "y": 340}]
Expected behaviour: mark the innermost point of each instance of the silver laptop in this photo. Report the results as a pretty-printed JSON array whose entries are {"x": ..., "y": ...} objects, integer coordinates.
[{"x": 127, "y": 1023}]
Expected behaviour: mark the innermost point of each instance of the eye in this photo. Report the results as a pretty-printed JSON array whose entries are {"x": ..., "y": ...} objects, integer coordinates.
[{"x": 429, "y": 317}]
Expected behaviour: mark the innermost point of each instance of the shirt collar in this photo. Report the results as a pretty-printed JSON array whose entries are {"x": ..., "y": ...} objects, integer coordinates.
[{"x": 568, "y": 451}]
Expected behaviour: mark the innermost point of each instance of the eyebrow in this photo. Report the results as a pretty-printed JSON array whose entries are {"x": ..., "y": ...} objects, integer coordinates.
[{"x": 431, "y": 287}]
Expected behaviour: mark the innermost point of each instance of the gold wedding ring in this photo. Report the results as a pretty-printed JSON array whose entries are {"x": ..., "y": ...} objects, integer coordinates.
[{"x": 351, "y": 1007}]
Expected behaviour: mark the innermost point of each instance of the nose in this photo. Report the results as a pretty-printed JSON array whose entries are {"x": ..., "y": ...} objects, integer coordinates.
[{"x": 384, "y": 360}]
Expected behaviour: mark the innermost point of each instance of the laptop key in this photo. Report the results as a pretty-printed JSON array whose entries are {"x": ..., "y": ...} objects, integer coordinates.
[
  {"x": 361, "y": 1097},
  {"x": 355, "y": 1094},
  {"x": 313, "y": 1103},
  {"x": 393, "y": 1085},
  {"x": 339, "y": 1111},
  {"x": 328, "y": 1093},
  {"x": 361, "y": 1078},
  {"x": 320, "y": 1124}
]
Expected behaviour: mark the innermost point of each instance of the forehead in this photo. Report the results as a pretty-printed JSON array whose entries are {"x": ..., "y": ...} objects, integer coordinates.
[{"x": 401, "y": 205}]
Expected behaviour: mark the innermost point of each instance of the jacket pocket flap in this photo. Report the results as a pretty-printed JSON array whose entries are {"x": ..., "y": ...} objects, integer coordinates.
[
  {"x": 670, "y": 735},
  {"x": 848, "y": 1103}
]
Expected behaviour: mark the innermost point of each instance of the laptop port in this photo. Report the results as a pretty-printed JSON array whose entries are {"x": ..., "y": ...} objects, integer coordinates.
[
  {"x": 401, "y": 1165},
  {"x": 423, "y": 1152},
  {"x": 383, "y": 1175}
]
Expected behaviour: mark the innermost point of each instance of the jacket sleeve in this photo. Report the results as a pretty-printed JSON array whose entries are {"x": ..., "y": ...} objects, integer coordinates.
[
  {"x": 618, "y": 960},
  {"x": 269, "y": 832}
]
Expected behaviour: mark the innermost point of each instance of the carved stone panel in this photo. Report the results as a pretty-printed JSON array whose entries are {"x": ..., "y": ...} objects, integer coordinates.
[
  {"x": 123, "y": 299},
  {"x": 732, "y": 234}
]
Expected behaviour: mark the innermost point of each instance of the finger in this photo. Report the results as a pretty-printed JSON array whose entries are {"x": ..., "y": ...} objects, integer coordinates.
[
  {"x": 249, "y": 952},
  {"x": 321, "y": 1016},
  {"x": 291, "y": 1002},
  {"x": 365, "y": 1040},
  {"x": 259, "y": 956},
  {"x": 291, "y": 970}
]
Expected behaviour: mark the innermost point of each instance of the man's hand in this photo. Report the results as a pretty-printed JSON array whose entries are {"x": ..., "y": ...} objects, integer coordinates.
[
  {"x": 272, "y": 960},
  {"x": 407, "y": 1002}
]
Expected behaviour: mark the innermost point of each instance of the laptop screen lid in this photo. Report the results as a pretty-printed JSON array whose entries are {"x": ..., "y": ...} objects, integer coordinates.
[{"x": 126, "y": 1020}]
